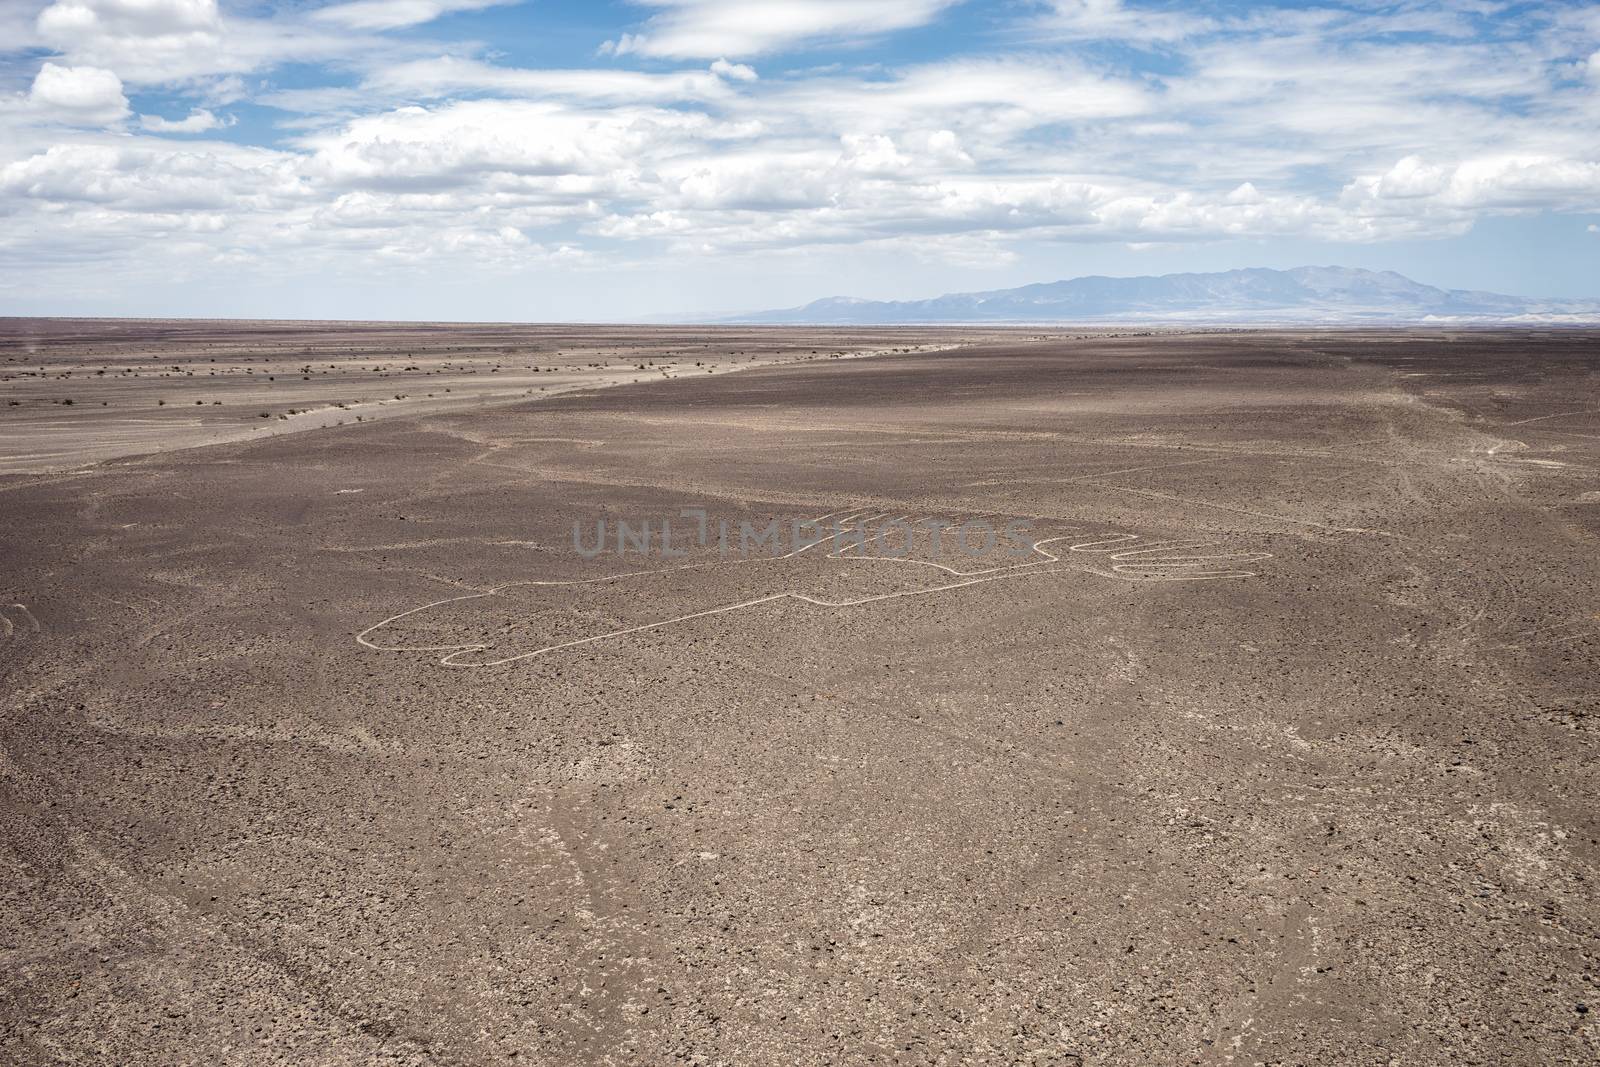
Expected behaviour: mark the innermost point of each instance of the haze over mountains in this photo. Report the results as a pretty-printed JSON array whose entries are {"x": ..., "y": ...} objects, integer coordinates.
[{"x": 1304, "y": 295}]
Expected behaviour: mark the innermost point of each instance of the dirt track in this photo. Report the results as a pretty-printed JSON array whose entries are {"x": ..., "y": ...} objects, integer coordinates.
[{"x": 1333, "y": 805}]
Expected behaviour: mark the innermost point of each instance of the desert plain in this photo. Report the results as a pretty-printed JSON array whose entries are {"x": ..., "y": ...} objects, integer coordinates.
[{"x": 327, "y": 740}]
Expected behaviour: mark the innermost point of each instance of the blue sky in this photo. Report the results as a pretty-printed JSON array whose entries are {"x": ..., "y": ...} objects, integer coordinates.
[{"x": 550, "y": 159}]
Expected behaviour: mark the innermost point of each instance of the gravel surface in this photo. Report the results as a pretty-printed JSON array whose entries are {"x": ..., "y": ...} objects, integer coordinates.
[{"x": 1275, "y": 743}]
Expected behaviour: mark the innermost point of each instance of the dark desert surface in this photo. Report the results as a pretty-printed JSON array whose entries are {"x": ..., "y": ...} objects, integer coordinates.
[
  {"x": 77, "y": 391},
  {"x": 1280, "y": 749}
]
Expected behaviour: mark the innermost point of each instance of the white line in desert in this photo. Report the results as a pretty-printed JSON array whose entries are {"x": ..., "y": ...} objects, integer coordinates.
[
  {"x": 1246, "y": 511},
  {"x": 1557, "y": 415},
  {"x": 1123, "y": 567},
  {"x": 1131, "y": 470},
  {"x": 33, "y": 622}
]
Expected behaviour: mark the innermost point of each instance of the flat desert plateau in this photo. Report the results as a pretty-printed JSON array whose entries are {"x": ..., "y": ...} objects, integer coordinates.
[{"x": 322, "y": 741}]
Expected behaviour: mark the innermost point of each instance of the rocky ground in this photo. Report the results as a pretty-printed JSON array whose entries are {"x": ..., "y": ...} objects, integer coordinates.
[
  {"x": 1276, "y": 745},
  {"x": 78, "y": 391}
]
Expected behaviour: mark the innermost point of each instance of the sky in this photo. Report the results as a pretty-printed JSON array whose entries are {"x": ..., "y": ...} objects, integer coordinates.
[{"x": 557, "y": 160}]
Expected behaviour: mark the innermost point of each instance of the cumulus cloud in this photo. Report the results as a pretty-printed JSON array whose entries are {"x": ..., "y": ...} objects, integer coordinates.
[
  {"x": 693, "y": 29},
  {"x": 137, "y": 179},
  {"x": 70, "y": 19},
  {"x": 86, "y": 96},
  {"x": 167, "y": 41},
  {"x": 513, "y": 152},
  {"x": 107, "y": 31},
  {"x": 1345, "y": 124},
  {"x": 1498, "y": 182}
]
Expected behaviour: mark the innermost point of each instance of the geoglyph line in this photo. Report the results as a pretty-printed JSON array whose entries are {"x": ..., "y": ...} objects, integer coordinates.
[
  {"x": 24, "y": 618},
  {"x": 1557, "y": 415},
  {"x": 1130, "y": 558},
  {"x": 1152, "y": 494}
]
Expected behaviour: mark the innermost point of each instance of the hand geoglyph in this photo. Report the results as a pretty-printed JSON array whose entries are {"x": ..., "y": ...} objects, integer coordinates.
[{"x": 528, "y": 619}]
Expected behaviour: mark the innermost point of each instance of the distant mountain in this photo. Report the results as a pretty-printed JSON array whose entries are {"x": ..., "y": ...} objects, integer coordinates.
[{"x": 1304, "y": 295}]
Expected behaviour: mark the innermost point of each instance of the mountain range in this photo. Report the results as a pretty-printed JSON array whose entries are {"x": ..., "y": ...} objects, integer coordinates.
[{"x": 1302, "y": 296}]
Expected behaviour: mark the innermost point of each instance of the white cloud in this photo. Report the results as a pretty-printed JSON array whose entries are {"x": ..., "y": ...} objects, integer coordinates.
[
  {"x": 1246, "y": 193},
  {"x": 151, "y": 42},
  {"x": 395, "y": 14},
  {"x": 733, "y": 71},
  {"x": 70, "y": 19},
  {"x": 134, "y": 179},
  {"x": 149, "y": 31},
  {"x": 1314, "y": 124},
  {"x": 221, "y": 90},
  {"x": 198, "y": 121},
  {"x": 696, "y": 29},
  {"x": 85, "y": 96},
  {"x": 993, "y": 100},
  {"x": 1500, "y": 182},
  {"x": 505, "y": 150},
  {"x": 1409, "y": 178},
  {"x": 1114, "y": 20},
  {"x": 447, "y": 76}
]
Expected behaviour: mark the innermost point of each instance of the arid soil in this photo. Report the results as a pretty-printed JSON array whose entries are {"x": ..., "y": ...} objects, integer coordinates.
[
  {"x": 1276, "y": 745},
  {"x": 77, "y": 391}
]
